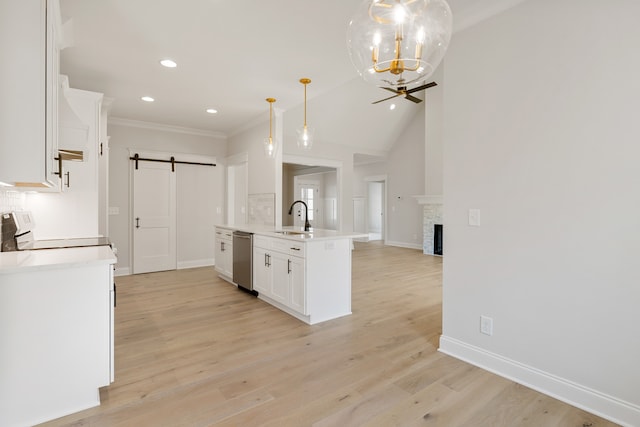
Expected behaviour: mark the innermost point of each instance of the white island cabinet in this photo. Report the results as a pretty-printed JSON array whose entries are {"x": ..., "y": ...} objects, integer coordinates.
[
  {"x": 56, "y": 332},
  {"x": 305, "y": 274}
]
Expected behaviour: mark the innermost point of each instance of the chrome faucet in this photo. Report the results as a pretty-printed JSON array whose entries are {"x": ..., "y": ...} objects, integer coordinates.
[{"x": 307, "y": 226}]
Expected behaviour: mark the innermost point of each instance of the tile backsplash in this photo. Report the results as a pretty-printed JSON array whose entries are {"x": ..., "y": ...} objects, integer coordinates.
[{"x": 11, "y": 201}]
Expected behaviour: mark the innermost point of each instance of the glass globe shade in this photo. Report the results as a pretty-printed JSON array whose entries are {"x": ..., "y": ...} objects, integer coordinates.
[
  {"x": 305, "y": 137},
  {"x": 269, "y": 147},
  {"x": 421, "y": 29}
]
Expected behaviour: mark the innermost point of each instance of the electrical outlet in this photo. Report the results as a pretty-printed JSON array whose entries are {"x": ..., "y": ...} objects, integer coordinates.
[{"x": 486, "y": 325}]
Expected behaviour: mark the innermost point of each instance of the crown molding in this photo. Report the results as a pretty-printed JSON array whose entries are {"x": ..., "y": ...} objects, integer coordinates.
[{"x": 118, "y": 121}]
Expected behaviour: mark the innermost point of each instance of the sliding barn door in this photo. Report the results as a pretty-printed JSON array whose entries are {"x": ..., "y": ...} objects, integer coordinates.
[{"x": 154, "y": 217}]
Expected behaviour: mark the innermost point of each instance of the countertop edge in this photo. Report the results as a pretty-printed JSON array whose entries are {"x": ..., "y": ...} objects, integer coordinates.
[
  {"x": 314, "y": 235},
  {"x": 44, "y": 259}
]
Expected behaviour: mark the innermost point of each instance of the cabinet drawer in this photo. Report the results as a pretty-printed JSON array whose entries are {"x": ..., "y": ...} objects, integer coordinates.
[
  {"x": 261, "y": 242},
  {"x": 288, "y": 247},
  {"x": 223, "y": 233}
]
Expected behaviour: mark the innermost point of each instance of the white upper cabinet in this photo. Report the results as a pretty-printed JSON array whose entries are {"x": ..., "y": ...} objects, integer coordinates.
[
  {"x": 79, "y": 116},
  {"x": 29, "y": 48}
]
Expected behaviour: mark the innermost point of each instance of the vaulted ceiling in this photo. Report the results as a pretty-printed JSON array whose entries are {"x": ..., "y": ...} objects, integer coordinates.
[{"x": 231, "y": 55}]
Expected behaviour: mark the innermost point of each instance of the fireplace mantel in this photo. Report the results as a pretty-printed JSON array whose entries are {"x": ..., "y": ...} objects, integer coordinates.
[{"x": 429, "y": 199}]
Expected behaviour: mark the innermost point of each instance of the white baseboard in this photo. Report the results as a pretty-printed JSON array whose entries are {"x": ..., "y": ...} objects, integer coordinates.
[
  {"x": 403, "y": 245},
  {"x": 124, "y": 271},
  {"x": 603, "y": 405},
  {"x": 195, "y": 263}
]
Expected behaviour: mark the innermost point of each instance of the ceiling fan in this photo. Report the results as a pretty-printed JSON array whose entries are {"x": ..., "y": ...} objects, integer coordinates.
[{"x": 402, "y": 90}]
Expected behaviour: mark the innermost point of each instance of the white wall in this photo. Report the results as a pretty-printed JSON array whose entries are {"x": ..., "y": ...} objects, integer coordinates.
[
  {"x": 433, "y": 135},
  {"x": 264, "y": 175},
  {"x": 405, "y": 171},
  {"x": 200, "y": 203},
  {"x": 541, "y": 134},
  {"x": 123, "y": 138}
]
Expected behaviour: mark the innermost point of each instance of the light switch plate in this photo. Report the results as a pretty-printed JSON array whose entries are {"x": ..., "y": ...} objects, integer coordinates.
[{"x": 474, "y": 217}]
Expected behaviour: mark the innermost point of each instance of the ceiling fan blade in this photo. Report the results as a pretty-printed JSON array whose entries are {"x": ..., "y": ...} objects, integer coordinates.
[
  {"x": 425, "y": 86},
  {"x": 386, "y": 99},
  {"x": 392, "y": 90},
  {"x": 413, "y": 98}
]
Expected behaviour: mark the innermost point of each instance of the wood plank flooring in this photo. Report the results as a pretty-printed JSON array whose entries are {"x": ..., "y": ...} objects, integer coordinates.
[{"x": 192, "y": 350}]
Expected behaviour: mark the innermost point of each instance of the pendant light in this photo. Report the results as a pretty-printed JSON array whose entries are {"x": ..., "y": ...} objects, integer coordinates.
[
  {"x": 305, "y": 134},
  {"x": 269, "y": 145},
  {"x": 399, "y": 42}
]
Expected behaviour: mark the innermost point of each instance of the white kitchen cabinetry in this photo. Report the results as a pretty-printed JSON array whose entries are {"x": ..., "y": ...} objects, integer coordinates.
[
  {"x": 29, "y": 45},
  {"x": 262, "y": 273},
  {"x": 224, "y": 253},
  {"x": 74, "y": 211},
  {"x": 79, "y": 114},
  {"x": 56, "y": 329},
  {"x": 278, "y": 272}
]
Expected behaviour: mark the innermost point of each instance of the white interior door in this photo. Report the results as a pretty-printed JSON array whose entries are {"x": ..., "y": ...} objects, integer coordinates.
[
  {"x": 308, "y": 193},
  {"x": 375, "y": 210},
  {"x": 154, "y": 217}
]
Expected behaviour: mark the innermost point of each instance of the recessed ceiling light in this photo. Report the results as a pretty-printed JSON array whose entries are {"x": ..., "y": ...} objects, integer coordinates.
[
  {"x": 392, "y": 107},
  {"x": 168, "y": 63},
  {"x": 147, "y": 99},
  {"x": 212, "y": 111}
]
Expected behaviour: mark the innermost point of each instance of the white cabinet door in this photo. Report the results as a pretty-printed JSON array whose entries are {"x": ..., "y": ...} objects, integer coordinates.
[
  {"x": 262, "y": 273},
  {"x": 297, "y": 293},
  {"x": 79, "y": 114},
  {"x": 28, "y": 87},
  {"x": 224, "y": 257},
  {"x": 280, "y": 285},
  {"x": 224, "y": 252}
]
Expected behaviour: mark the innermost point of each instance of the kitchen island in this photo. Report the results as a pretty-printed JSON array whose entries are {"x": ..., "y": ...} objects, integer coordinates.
[
  {"x": 56, "y": 332},
  {"x": 305, "y": 274}
]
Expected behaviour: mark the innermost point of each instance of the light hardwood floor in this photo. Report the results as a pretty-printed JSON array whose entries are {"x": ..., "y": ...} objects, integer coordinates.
[{"x": 192, "y": 350}]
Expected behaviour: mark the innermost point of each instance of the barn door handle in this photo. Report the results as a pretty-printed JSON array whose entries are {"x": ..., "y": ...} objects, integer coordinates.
[{"x": 138, "y": 222}]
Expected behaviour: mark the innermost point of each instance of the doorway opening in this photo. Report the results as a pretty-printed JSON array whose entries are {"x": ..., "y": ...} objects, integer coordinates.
[
  {"x": 377, "y": 207},
  {"x": 318, "y": 186}
]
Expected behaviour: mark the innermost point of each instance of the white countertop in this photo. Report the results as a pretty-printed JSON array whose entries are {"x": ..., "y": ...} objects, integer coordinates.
[
  {"x": 22, "y": 261},
  {"x": 314, "y": 234}
]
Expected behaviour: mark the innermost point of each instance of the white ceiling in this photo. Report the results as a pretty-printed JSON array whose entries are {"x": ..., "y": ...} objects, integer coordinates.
[{"x": 231, "y": 55}]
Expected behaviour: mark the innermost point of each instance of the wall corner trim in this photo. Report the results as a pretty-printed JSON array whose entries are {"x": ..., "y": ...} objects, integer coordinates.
[{"x": 605, "y": 406}]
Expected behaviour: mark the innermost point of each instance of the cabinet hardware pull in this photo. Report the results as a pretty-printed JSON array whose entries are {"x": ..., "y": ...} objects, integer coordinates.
[
  {"x": 59, "y": 159},
  {"x": 221, "y": 246},
  {"x": 265, "y": 260},
  {"x": 295, "y": 249},
  {"x": 101, "y": 149},
  {"x": 68, "y": 179},
  {"x": 138, "y": 222},
  {"x": 289, "y": 266}
]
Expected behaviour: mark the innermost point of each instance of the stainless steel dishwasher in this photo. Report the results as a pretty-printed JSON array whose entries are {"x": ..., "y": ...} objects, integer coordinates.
[{"x": 243, "y": 261}]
